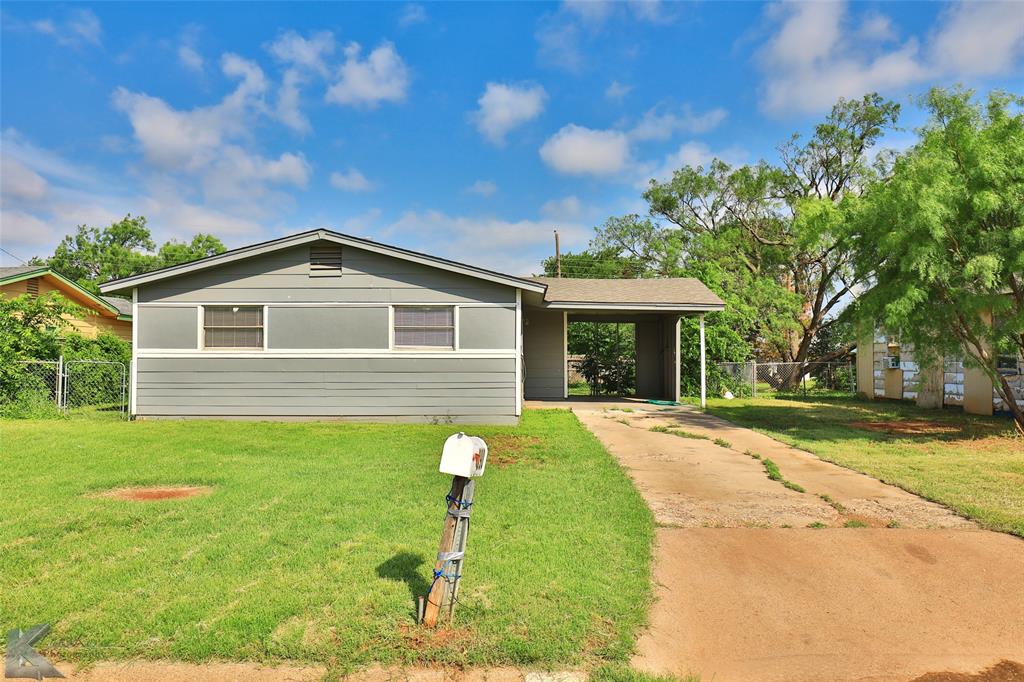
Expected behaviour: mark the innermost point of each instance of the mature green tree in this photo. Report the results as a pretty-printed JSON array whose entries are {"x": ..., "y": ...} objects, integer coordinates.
[
  {"x": 94, "y": 255},
  {"x": 785, "y": 223},
  {"x": 175, "y": 252},
  {"x": 942, "y": 240}
]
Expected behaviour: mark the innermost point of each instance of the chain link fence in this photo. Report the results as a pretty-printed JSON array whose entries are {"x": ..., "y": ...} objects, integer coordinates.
[
  {"x": 765, "y": 379},
  {"x": 50, "y": 388}
]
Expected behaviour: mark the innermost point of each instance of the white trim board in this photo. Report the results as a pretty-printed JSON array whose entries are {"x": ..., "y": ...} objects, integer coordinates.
[
  {"x": 135, "y": 354},
  {"x": 334, "y": 304},
  {"x": 326, "y": 353}
]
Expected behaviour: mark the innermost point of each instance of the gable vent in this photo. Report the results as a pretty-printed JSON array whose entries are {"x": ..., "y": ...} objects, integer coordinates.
[
  {"x": 325, "y": 261},
  {"x": 32, "y": 286}
]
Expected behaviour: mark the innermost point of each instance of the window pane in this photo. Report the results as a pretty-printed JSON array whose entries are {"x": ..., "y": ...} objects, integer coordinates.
[
  {"x": 232, "y": 337},
  {"x": 234, "y": 316},
  {"x": 430, "y": 326},
  {"x": 408, "y": 316},
  {"x": 441, "y": 338},
  {"x": 233, "y": 326}
]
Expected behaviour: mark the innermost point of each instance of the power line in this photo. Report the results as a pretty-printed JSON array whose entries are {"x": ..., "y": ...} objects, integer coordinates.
[{"x": 21, "y": 260}]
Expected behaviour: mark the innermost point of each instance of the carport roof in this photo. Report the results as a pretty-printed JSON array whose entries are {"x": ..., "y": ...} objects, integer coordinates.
[{"x": 670, "y": 293}]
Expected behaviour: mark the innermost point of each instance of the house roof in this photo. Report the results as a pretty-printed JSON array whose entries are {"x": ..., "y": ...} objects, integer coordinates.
[
  {"x": 20, "y": 272},
  {"x": 312, "y": 236},
  {"x": 672, "y": 293},
  {"x": 123, "y": 305},
  {"x": 114, "y": 307}
]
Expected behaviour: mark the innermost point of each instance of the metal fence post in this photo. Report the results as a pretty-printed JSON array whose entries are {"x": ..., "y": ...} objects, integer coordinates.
[
  {"x": 58, "y": 384},
  {"x": 753, "y": 378}
]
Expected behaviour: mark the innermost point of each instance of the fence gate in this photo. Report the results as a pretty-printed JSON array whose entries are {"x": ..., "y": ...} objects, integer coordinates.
[
  {"x": 88, "y": 387},
  {"x": 94, "y": 386}
]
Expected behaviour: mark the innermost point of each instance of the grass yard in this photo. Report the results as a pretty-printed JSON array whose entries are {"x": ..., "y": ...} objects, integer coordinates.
[
  {"x": 974, "y": 465},
  {"x": 315, "y": 541}
]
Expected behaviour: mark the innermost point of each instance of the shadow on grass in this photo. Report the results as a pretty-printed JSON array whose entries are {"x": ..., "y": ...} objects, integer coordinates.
[{"x": 404, "y": 567}]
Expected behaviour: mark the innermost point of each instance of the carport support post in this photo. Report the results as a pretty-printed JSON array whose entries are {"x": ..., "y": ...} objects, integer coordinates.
[{"x": 703, "y": 367}]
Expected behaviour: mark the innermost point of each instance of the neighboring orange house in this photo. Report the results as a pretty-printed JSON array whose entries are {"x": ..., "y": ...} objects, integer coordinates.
[{"x": 109, "y": 314}]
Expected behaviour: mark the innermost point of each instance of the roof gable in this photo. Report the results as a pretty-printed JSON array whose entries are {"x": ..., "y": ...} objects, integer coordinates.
[
  {"x": 112, "y": 307},
  {"x": 312, "y": 236}
]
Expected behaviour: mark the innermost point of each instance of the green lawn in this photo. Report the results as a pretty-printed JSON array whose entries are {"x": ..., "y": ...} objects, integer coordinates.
[
  {"x": 974, "y": 465},
  {"x": 315, "y": 541}
]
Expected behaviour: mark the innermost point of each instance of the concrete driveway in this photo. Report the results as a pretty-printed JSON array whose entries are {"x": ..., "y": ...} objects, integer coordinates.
[{"x": 746, "y": 591}]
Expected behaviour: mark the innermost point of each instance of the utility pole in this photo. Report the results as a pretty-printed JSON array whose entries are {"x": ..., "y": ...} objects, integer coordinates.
[{"x": 558, "y": 257}]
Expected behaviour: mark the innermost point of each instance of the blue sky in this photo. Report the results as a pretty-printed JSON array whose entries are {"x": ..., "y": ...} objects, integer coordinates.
[{"x": 466, "y": 130}]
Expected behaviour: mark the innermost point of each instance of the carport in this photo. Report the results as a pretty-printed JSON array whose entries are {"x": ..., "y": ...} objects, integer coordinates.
[{"x": 654, "y": 306}]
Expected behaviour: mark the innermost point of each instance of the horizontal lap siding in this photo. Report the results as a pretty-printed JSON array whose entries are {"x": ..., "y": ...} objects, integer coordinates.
[
  {"x": 366, "y": 277},
  {"x": 327, "y": 387}
]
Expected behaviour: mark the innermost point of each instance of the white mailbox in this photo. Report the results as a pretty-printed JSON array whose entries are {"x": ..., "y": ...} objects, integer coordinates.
[{"x": 464, "y": 456}]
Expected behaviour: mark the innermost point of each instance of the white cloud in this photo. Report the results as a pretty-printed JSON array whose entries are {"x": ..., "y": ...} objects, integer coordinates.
[
  {"x": 566, "y": 208},
  {"x": 662, "y": 125},
  {"x": 484, "y": 188},
  {"x": 191, "y": 139},
  {"x": 504, "y": 106},
  {"x": 188, "y": 52},
  {"x": 34, "y": 217},
  {"x": 207, "y": 148},
  {"x": 575, "y": 150},
  {"x": 381, "y": 77},
  {"x": 190, "y": 58},
  {"x": 515, "y": 247},
  {"x": 19, "y": 182},
  {"x": 303, "y": 57},
  {"x": 818, "y": 54},
  {"x": 21, "y": 229},
  {"x": 594, "y": 12},
  {"x": 288, "y": 108},
  {"x": 78, "y": 27},
  {"x": 617, "y": 90},
  {"x": 691, "y": 153},
  {"x": 651, "y": 11},
  {"x": 304, "y": 53},
  {"x": 980, "y": 38},
  {"x": 561, "y": 34},
  {"x": 877, "y": 27},
  {"x": 351, "y": 181},
  {"x": 558, "y": 44},
  {"x": 412, "y": 14}
]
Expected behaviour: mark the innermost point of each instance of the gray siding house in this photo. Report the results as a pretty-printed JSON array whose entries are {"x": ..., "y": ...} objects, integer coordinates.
[{"x": 329, "y": 326}]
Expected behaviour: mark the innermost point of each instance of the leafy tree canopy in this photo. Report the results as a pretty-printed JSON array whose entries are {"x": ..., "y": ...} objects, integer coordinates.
[
  {"x": 942, "y": 241},
  {"x": 769, "y": 239},
  {"x": 94, "y": 255}
]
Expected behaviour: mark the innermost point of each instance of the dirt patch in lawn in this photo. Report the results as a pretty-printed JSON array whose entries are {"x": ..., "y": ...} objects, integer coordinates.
[
  {"x": 507, "y": 449},
  {"x": 422, "y": 638},
  {"x": 1004, "y": 671},
  {"x": 909, "y": 427},
  {"x": 158, "y": 492}
]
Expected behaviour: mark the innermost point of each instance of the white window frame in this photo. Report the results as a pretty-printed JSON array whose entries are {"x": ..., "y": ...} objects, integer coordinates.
[
  {"x": 201, "y": 321},
  {"x": 425, "y": 349}
]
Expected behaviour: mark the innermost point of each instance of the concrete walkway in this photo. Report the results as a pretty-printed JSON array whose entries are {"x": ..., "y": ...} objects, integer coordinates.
[{"x": 746, "y": 591}]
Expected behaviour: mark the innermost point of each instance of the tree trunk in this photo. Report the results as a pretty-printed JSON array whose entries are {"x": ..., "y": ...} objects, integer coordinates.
[{"x": 1006, "y": 392}]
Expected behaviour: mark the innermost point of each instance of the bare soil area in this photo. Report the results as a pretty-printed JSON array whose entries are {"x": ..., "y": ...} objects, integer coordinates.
[
  {"x": 907, "y": 427},
  {"x": 158, "y": 492}
]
